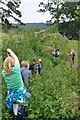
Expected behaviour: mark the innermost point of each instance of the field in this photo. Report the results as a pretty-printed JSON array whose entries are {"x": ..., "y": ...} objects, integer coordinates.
[{"x": 55, "y": 91}]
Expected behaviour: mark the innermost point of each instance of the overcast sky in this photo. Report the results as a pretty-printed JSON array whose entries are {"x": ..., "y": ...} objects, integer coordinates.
[{"x": 29, "y": 12}]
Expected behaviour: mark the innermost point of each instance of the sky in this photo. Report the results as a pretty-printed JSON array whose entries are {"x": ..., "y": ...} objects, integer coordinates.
[{"x": 29, "y": 12}]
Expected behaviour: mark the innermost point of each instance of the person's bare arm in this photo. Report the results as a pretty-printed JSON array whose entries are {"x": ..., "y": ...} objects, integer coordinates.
[{"x": 13, "y": 55}]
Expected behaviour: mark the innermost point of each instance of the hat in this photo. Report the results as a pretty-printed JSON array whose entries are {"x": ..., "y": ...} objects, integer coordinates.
[{"x": 39, "y": 61}]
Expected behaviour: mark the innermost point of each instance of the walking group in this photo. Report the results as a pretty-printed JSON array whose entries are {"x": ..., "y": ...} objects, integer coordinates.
[
  {"x": 56, "y": 55},
  {"x": 15, "y": 76}
]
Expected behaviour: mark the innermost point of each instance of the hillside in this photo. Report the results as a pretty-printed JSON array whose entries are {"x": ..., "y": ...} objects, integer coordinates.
[{"x": 55, "y": 91}]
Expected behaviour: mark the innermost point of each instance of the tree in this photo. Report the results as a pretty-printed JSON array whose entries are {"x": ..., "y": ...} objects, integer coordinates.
[
  {"x": 65, "y": 15},
  {"x": 60, "y": 11},
  {"x": 10, "y": 9}
]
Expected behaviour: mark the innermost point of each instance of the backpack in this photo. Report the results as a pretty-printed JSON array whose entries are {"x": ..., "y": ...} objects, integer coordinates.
[
  {"x": 56, "y": 54},
  {"x": 73, "y": 54}
]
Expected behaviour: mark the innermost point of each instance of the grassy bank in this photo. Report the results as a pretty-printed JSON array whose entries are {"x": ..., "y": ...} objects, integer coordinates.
[{"x": 55, "y": 91}]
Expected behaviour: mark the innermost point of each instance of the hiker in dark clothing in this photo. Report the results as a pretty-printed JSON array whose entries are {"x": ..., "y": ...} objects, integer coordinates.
[
  {"x": 56, "y": 54},
  {"x": 32, "y": 66}
]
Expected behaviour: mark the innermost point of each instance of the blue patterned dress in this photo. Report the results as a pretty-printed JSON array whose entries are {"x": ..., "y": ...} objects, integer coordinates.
[{"x": 19, "y": 96}]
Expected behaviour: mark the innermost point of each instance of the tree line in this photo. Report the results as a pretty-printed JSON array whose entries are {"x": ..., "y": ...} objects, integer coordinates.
[{"x": 66, "y": 15}]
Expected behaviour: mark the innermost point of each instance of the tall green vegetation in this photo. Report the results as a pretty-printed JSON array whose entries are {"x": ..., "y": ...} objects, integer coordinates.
[{"x": 55, "y": 91}]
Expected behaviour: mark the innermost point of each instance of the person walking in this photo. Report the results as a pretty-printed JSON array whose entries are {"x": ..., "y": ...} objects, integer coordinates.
[
  {"x": 32, "y": 66},
  {"x": 17, "y": 92},
  {"x": 56, "y": 54},
  {"x": 38, "y": 67},
  {"x": 72, "y": 56},
  {"x": 25, "y": 72}
]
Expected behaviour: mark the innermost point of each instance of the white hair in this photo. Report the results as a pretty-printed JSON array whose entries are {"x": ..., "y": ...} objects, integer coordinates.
[{"x": 25, "y": 63}]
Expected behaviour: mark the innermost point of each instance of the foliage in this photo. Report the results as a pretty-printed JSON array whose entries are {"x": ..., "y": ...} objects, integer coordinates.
[
  {"x": 70, "y": 29},
  {"x": 60, "y": 10},
  {"x": 8, "y": 10},
  {"x": 54, "y": 92},
  {"x": 65, "y": 15}
]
